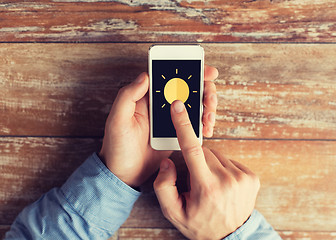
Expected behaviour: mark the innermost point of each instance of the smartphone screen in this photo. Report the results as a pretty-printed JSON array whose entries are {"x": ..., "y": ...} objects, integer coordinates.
[{"x": 172, "y": 80}]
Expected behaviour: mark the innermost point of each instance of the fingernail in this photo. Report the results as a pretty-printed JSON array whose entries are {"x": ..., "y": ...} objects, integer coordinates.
[
  {"x": 140, "y": 78},
  {"x": 178, "y": 106},
  {"x": 164, "y": 165}
]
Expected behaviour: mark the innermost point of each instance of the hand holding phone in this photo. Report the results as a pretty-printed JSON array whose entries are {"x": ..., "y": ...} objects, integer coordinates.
[{"x": 128, "y": 127}]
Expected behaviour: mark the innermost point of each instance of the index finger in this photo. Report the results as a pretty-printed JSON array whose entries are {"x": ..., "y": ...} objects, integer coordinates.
[{"x": 191, "y": 148}]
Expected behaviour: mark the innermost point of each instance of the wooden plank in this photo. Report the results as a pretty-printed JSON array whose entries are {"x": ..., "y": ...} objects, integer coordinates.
[
  {"x": 289, "y": 235},
  {"x": 297, "y": 177},
  {"x": 274, "y": 91},
  {"x": 62, "y": 89},
  {"x": 174, "y": 234},
  {"x": 150, "y": 234},
  {"x": 31, "y": 166},
  {"x": 5, "y": 228},
  {"x": 175, "y": 21}
]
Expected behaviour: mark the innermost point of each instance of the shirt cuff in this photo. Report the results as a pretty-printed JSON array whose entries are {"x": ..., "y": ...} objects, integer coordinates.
[
  {"x": 256, "y": 227},
  {"x": 99, "y": 196}
]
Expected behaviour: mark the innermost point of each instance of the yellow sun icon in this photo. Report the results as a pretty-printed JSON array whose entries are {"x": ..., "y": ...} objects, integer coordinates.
[{"x": 176, "y": 89}]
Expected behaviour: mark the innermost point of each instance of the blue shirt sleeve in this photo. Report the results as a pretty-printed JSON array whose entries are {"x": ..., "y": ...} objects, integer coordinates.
[
  {"x": 92, "y": 204},
  {"x": 256, "y": 227}
]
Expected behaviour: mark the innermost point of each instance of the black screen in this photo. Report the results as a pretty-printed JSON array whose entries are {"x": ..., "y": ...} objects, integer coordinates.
[{"x": 182, "y": 74}]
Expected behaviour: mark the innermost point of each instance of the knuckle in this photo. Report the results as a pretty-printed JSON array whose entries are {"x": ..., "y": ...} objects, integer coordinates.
[
  {"x": 241, "y": 176},
  {"x": 123, "y": 91},
  {"x": 250, "y": 179},
  {"x": 210, "y": 86},
  {"x": 232, "y": 182},
  {"x": 194, "y": 150},
  {"x": 158, "y": 184},
  {"x": 255, "y": 180},
  {"x": 185, "y": 123},
  {"x": 126, "y": 91},
  {"x": 211, "y": 190}
]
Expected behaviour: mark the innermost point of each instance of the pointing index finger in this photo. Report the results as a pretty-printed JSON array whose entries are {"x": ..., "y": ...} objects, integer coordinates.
[{"x": 191, "y": 148}]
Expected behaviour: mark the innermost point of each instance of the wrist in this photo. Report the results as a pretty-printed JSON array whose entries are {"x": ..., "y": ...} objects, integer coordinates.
[
  {"x": 128, "y": 182},
  {"x": 244, "y": 228}
]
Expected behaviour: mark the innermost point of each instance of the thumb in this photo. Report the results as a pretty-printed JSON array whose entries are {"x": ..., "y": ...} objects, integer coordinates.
[
  {"x": 166, "y": 192},
  {"x": 124, "y": 105}
]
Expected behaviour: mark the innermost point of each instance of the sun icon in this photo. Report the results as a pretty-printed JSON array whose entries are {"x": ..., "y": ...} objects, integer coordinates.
[{"x": 176, "y": 89}]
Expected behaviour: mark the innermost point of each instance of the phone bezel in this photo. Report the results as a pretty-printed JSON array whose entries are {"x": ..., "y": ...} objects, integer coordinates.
[{"x": 174, "y": 52}]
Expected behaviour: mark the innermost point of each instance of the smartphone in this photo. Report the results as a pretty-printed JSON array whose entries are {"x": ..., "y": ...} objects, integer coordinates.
[{"x": 176, "y": 72}]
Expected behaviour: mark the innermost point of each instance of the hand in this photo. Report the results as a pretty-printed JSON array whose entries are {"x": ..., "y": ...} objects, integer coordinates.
[
  {"x": 126, "y": 150},
  {"x": 222, "y": 192}
]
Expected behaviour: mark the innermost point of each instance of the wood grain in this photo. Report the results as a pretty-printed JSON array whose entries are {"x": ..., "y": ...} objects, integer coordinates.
[
  {"x": 173, "y": 234},
  {"x": 290, "y": 235},
  {"x": 276, "y": 102},
  {"x": 275, "y": 91},
  {"x": 266, "y": 91},
  {"x": 150, "y": 234},
  {"x": 297, "y": 180},
  {"x": 175, "y": 21},
  {"x": 4, "y": 229},
  {"x": 31, "y": 166},
  {"x": 297, "y": 177}
]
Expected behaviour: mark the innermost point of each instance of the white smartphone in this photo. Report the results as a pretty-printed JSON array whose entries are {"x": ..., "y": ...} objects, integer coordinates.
[{"x": 176, "y": 72}]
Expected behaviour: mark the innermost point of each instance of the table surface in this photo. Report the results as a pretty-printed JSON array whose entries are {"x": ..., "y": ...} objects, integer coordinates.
[{"x": 62, "y": 63}]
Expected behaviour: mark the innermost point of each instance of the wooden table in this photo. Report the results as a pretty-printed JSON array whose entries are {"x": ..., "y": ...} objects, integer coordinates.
[{"x": 62, "y": 63}]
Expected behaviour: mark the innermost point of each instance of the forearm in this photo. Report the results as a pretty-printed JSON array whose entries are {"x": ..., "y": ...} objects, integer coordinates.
[
  {"x": 92, "y": 204},
  {"x": 256, "y": 227}
]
